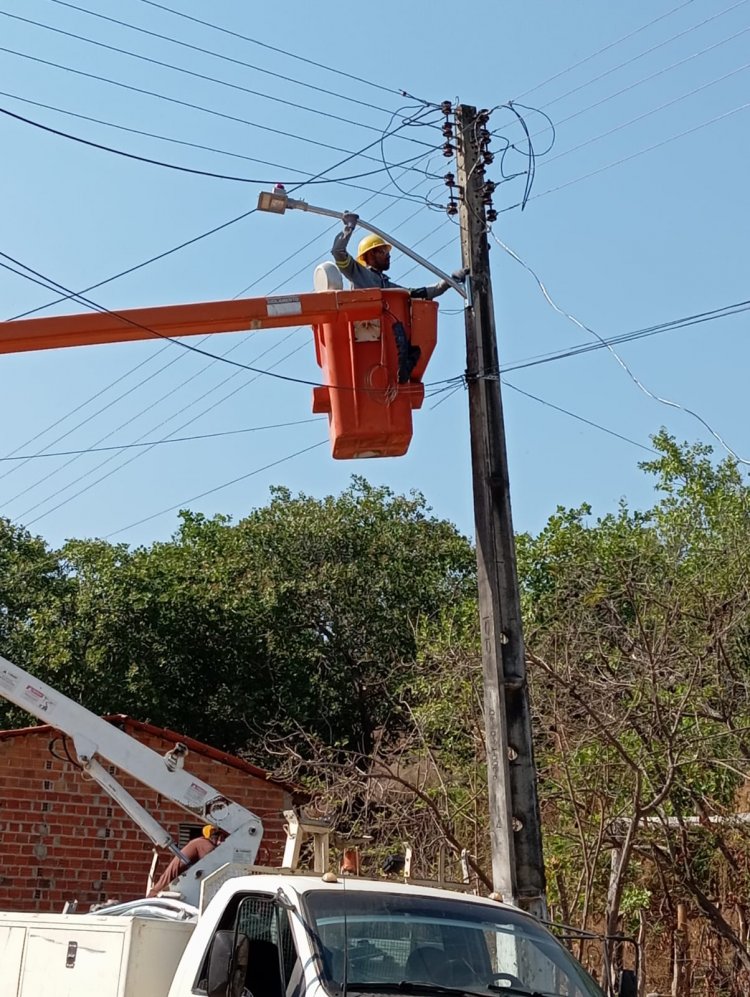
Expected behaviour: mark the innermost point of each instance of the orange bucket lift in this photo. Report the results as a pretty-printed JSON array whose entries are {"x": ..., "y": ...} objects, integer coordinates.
[{"x": 369, "y": 411}]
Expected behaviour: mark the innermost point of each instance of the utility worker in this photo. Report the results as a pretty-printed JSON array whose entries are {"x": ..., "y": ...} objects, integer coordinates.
[
  {"x": 193, "y": 851},
  {"x": 373, "y": 259},
  {"x": 369, "y": 270}
]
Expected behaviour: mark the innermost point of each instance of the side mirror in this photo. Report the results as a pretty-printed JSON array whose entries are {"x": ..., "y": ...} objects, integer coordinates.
[
  {"x": 628, "y": 984},
  {"x": 227, "y": 964}
]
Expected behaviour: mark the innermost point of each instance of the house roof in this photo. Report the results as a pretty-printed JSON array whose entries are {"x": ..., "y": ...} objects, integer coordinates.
[{"x": 125, "y": 722}]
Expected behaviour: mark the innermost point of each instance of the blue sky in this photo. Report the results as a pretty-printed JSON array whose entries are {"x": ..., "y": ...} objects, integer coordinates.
[{"x": 659, "y": 89}]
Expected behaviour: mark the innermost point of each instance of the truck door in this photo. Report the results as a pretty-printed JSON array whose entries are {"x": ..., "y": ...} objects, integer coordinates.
[{"x": 273, "y": 964}]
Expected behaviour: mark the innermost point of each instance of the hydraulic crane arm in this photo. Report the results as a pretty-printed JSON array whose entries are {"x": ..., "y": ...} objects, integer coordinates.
[
  {"x": 94, "y": 738},
  {"x": 131, "y": 324}
]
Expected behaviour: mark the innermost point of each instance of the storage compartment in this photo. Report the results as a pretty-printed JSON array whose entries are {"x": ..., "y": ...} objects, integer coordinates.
[{"x": 68, "y": 955}]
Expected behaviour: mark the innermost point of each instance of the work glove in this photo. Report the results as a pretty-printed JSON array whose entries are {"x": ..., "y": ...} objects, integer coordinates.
[
  {"x": 460, "y": 275},
  {"x": 350, "y": 219}
]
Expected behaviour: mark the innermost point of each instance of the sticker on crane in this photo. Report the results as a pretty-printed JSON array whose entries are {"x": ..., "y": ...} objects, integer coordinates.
[
  {"x": 287, "y": 305},
  {"x": 8, "y": 679},
  {"x": 195, "y": 794},
  {"x": 38, "y": 698}
]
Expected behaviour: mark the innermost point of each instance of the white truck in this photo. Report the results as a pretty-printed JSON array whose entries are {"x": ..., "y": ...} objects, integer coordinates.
[{"x": 221, "y": 933}]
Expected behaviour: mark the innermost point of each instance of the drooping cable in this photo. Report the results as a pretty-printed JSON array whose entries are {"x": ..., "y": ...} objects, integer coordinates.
[{"x": 638, "y": 383}]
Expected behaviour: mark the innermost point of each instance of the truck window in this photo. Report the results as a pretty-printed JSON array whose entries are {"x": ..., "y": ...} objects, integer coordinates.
[
  {"x": 384, "y": 941},
  {"x": 274, "y": 968}
]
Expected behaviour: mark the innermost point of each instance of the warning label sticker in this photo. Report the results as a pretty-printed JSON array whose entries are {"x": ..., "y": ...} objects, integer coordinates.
[
  {"x": 38, "y": 698},
  {"x": 287, "y": 305},
  {"x": 195, "y": 794}
]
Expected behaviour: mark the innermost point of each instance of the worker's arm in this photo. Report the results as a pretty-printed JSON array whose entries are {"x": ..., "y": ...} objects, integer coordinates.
[
  {"x": 435, "y": 290},
  {"x": 343, "y": 259}
]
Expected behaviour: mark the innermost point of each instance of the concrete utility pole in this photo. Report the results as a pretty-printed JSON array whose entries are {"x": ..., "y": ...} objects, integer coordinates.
[{"x": 515, "y": 826}]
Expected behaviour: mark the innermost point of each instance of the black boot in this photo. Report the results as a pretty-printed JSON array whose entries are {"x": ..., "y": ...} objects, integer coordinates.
[{"x": 408, "y": 355}]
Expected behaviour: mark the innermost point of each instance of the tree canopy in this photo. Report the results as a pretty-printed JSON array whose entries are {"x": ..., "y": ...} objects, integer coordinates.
[{"x": 335, "y": 639}]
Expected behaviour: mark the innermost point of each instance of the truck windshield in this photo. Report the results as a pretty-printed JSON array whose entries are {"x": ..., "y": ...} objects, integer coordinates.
[{"x": 390, "y": 942}]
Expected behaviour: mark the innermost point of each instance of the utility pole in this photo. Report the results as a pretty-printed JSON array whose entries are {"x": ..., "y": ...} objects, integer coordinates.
[{"x": 515, "y": 825}]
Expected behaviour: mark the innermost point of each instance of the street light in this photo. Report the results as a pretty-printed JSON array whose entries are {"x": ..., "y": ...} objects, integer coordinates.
[{"x": 277, "y": 201}]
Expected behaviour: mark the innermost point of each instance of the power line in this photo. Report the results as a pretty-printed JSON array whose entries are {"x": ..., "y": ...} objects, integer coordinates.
[
  {"x": 629, "y": 337},
  {"x": 189, "y": 72},
  {"x": 273, "y": 48},
  {"x": 185, "y": 103},
  {"x": 195, "y": 145},
  {"x": 634, "y": 155},
  {"x": 605, "y": 48},
  {"x": 156, "y": 443},
  {"x": 653, "y": 110},
  {"x": 579, "y": 418},
  {"x": 40, "y": 278},
  {"x": 639, "y": 384},
  {"x": 222, "y": 56},
  {"x": 632, "y": 86},
  {"x": 188, "y": 169},
  {"x": 648, "y": 51},
  {"x": 140, "y": 453},
  {"x": 218, "y": 488}
]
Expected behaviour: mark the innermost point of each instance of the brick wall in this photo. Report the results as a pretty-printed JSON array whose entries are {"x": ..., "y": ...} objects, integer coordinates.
[{"x": 63, "y": 838}]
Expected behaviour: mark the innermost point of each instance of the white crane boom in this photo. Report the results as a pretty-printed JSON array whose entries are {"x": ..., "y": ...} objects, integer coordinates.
[{"x": 94, "y": 738}]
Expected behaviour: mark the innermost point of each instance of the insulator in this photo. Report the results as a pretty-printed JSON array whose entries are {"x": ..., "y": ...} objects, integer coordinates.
[
  {"x": 447, "y": 130},
  {"x": 450, "y": 180},
  {"x": 488, "y": 157},
  {"x": 485, "y": 137},
  {"x": 452, "y": 208},
  {"x": 483, "y": 116},
  {"x": 448, "y": 150},
  {"x": 489, "y": 188},
  {"x": 446, "y": 107},
  {"x": 491, "y": 215}
]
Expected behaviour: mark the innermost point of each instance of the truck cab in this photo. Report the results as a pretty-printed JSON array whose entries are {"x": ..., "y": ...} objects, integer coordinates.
[{"x": 289, "y": 936}]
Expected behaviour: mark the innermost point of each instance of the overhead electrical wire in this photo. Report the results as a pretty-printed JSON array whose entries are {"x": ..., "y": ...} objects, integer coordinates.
[
  {"x": 651, "y": 76},
  {"x": 220, "y": 55},
  {"x": 274, "y": 48},
  {"x": 638, "y": 383},
  {"x": 196, "y": 75},
  {"x": 653, "y": 110},
  {"x": 218, "y": 488},
  {"x": 184, "y": 103},
  {"x": 649, "y": 51},
  {"x": 178, "y": 248},
  {"x": 136, "y": 456},
  {"x": 628, "y": 337},
  {"x": 632, "y": 155},
  {"x": 194, "y": 145},
  {"x": 169, "y": 439},
  {"x": 579, "y": 418},
  {"x": 605, "y": 48},
  {"x": 189, "y": 169}
]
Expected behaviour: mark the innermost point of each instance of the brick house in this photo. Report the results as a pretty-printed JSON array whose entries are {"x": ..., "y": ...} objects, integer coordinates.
[{"x": 62, "y": 837}]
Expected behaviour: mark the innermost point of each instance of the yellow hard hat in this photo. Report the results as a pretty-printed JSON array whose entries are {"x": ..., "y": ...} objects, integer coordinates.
[{"x": 370, "y": 242}]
